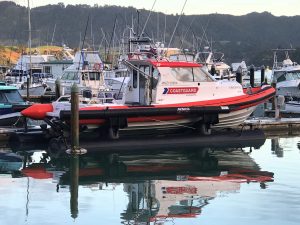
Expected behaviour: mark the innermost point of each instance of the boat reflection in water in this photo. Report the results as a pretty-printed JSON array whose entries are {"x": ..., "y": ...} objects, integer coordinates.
[{"x": 160, "y": 186}]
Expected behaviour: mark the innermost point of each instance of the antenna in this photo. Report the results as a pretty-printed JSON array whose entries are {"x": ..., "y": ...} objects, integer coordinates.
[
  {"x": 176, "y": 25},
  {"x": 184, "y": 36},
  {"x": 29, "y": 46},
  {"x": 138, "y": 22},
  {"x": 165, "y": 28},
  {"x": 53, "y": 35},
  {"x": 148, "y": 17},
  {"x": 157, "y": 26},
  {"x": 111, "y": 38},
  {"x": 87, "y": 23}
]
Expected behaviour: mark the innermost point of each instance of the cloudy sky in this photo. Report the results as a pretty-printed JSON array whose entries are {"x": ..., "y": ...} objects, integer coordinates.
[{"x": 234, "y": 7}]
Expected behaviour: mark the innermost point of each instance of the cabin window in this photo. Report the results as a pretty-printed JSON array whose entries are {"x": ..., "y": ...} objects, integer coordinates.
[
  {"x": 154, "y": 78},
  {"x": 293, "y": 75},
  {"x": 2, "y": 98},
  {"x": 121, "y": 74},
  {"x": 145, "y": 69},
  {"x": 47, "y": 69},
  {"x": 281, "y": 78},
  {"x": 13, "y": 96},
  {"x": 94, "y": 76},
  {"x": 69, "y": 76},
  {"x": 190, "y": 74},
  {"x": 65, "y": 76},
  {"x": 134, "y": 78}
]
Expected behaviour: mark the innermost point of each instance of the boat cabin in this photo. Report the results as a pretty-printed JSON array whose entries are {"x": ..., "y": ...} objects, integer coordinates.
[
  {"x": 86, "y": 71},
  {"x": 165, "y": 82},
  {"x": 9, "y": 95}
]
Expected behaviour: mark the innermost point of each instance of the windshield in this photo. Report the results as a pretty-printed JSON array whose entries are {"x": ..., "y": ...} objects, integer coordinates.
[
  {"x": 291, "y": 75},
  {"x": 70, "y": 76},
  {"x": 10, "y": 96},
  {"x": 94, "y": 75},
  {"x": 190, "y": 74}
]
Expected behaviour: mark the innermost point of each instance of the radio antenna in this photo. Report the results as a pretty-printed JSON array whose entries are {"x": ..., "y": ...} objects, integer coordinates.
[
  {"x": 176, "y": 25},
  {"x": 148, "y": 17}
]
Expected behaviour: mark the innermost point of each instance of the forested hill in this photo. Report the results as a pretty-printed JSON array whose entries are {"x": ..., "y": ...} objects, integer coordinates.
[{"x": 250, "y": 37}]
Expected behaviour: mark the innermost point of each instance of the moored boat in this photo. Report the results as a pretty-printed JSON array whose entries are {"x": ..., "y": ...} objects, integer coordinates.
[
  {"x": 11, "y": 103},
  {"x": 286, "y": 75},
  {"x": 164, "y": 94}
]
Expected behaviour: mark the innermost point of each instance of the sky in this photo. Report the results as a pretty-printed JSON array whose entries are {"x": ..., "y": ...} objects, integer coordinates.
[{"x": 233, "y": 7}]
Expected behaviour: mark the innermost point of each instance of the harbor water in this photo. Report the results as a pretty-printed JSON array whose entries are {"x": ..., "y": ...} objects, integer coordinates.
[{"x": 187, "y": 186}]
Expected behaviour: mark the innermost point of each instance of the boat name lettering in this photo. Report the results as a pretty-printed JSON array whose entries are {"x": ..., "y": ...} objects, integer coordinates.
[
  {"x": 181, "y": 190},
  {"x": 224, "y": 107},
  {"x": 181, "y": 90},
  {"x": 183, "y": 109}
]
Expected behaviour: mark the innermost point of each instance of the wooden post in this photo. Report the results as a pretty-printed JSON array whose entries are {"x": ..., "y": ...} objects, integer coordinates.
[
  {"x": 27, "y": 86},
  {"x": 239, "y": 75},
  {"x": 74, "y": 182},
  {"x": 252, "y": 76},
  {"x": 74, "y": 117},
  {"x": 273, "y": 84},
  {"x": 57, "y": 88},
  {"x": 75, "y": 149},
  {"x": 262, "y": 75}
]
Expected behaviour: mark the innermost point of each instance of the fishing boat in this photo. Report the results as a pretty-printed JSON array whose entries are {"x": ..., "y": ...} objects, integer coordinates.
[
  {"x": 286, "y": 75},
  {"x": 214, "y": 63},
  {"x": 163, "y": 94}
]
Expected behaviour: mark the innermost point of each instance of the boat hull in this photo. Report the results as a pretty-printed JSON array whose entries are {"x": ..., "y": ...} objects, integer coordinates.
[
  {"x": 234, "y": 119},
  {"x": 10, "y": 119},
  {"x": 218, "y": 113}
]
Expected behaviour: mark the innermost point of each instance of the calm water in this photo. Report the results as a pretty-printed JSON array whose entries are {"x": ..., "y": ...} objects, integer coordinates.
[{"x": 234, "y": 186}]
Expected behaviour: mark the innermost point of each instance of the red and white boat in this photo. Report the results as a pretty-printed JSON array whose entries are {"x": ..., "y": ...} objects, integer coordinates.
[{"x": 163, "y": 94}]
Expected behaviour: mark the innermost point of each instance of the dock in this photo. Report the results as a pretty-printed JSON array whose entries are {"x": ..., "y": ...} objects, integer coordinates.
[
  {"x": 40, "y": 98},
  {"x": 253, "y": 132},
  {"x": 273, "y": 126}
]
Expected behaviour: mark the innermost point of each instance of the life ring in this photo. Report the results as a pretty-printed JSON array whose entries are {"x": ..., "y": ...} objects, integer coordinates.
[{"x": 97, "y": 66}]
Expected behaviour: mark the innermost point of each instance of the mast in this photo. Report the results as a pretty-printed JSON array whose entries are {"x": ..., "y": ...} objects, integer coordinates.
[{"x": 29, "y": 46}]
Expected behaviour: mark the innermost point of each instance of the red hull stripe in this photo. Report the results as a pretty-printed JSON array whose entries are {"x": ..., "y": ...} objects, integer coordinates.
[{"x": 238, "y": 101}]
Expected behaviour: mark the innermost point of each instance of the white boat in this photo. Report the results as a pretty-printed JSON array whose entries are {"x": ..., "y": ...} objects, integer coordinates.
[
  {"x": 164, "y": 94},
  {"x": 214, "y": 62},
  {"x": 86, "y": 72},
  {"x": 286, "y": 75}
]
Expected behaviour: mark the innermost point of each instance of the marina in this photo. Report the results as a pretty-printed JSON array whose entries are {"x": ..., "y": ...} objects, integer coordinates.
[{"x": 123, "y": 115}]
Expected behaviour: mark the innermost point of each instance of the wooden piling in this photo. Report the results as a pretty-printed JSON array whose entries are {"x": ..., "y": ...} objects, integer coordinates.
[
  {"x": 262, "y": 75},
  {"x": 74, "y": 182},
  {"x": 27, "y": 88},
  {"x": 273, "y": 84},
  {"x": 75, "y": 149},
  {"x": 74, "y": 117},
  {"x": 57, "y": 88},
  {"x": 252, "y": 76},
  {"x": 239, "y": 75}
]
